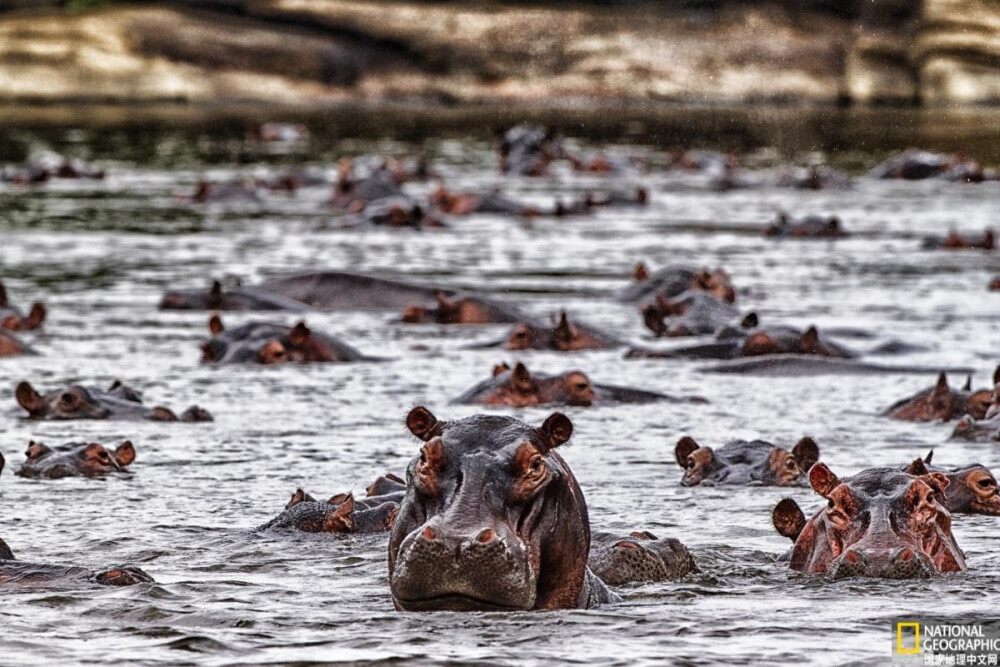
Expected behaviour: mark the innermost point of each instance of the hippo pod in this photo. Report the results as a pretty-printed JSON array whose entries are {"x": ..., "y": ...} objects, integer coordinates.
[
  {"x": 971, "y": 489},
  {"x": 327, "y": 290},
  {"x": 527, "y": 150},
  {"x": 16, "y": 573},
  {"x": 693, "y": 313},
  {"x": 75, "y": 459},
  {"x": 81, "y": 402},
  {"x": 941, "y": 402},
  {"x": 13, "y": 319},
  {"x": 671, "y": 282},
  {"x": 956, "y": 241},
  {"x": 742, "y": 462},
  {"x": 639, "y": 558},
  {"x": 266, "y": 343},
  {"x": 739, "y": 342},
  {"x": 492, "y": 519},
  {"x": 563, "y": 336},
  {"x": 810, "y": 227},
  {"x": 881, "y": 522},
  {"x": 519, "y": 388},
  {"x": 340, "y": 514},
  {"x": 460, "y": 309},
  {"x": 467, "y": 203}
]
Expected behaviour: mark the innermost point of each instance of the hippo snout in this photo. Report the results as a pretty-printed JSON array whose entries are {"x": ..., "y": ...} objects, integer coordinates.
[
  {"x": 901, "y": 562},
  {"x": 482, "y": 568}
]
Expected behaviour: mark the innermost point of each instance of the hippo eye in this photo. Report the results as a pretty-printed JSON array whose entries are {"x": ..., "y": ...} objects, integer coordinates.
[
  {"x": 986, "y": 483},
  {"x": 68, "y": 399},
  {"x": 582, "y": 385},
  {"x": 689, "y": 463},
  {"x": 791, "y": 464}
]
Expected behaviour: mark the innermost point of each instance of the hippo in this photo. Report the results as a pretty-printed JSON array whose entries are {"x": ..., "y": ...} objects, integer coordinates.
[
  {"x": 327, "y": 290},
  {"x": 971, "y": 489},
  {"x": 738, "y": 343},
  {"x": 702, "y": 161},
  {"x": 638, "y": 558},
  {"x": 398, "y": 212},
  {"x": 461, "y": 309},
  {"x": 969, "y": 171},
  {"x": 492, "y": 520},
  {"x": 956, "y": 241},
  {"x": 994, "y": 285},
  {"x": 941, "y": 402},
  {"x": 809, "y": 227},
  {"x": 234, "y": 192},
  {"x": 671, "y": 282},
  {"x": 604, "y": 164},
  {"x": 527, "y": 150},
  {"x": 881, "y": 522},
  {"x": 52, "y": 166},
  {"x": 75, "y": 459},
  {"x": 386, "y": 484},
  {"x": 693, "y": 313},
  {"x": 12, "y": 346},
  {"x": 119, "y": 402},
  {"x": 914, "y": 165},
  {"x": 982, "y": 430},
  {"x": 741, "y": 462},
  {"x": 351, "y": 194},
  {"x": 340, "y": 514},
  {"x": 267, "y": 343},
  {"x": 814, "y": 177},
  {"x": 21, "y": 574},
  {"x": 519, "y": 388},
  {"x": 564, "y": 336},
  {"x": 13, "y": 319},
  {"x": 466, "y": 203}
]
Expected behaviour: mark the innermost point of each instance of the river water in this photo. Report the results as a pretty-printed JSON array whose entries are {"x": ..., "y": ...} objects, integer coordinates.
[{"x": 100, "y": 254}]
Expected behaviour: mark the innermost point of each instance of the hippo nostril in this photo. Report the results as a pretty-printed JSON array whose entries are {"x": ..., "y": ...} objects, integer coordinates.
[
  {"x": 904, "y": 556},
  {"x": 429, "y": 534},
  {"x": 486, "y": 535}
]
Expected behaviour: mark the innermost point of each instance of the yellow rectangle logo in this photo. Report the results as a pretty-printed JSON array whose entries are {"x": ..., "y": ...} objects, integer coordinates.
[{"x": 916, "y": 637}]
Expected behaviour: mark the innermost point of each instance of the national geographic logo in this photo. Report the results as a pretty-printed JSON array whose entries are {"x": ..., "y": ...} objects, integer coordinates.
[{"x": 941, "y": 641}]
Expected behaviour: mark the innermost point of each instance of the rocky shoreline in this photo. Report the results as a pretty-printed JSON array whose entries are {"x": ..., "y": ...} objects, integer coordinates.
[{"x": 930, "y": 52}]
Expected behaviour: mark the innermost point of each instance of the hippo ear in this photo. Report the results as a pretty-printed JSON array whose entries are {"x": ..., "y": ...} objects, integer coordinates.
[
  {"x": 339, "y": 499},
  {"x": 522, "y": 377},
  {"x": 917, "y": 468},
  {"x": 788, "y": 518},
  {"x": 422, "y": 423},
  {"x": 444, "y": 303},
  {"x": 806, "y": 452},
  {"x": 125, "y": 453},
  {"x": 215, "y": 325},
  {"x": 36, "y": 449},
  {"x": 662, "y": 304},
  {"x": 299, "y": 334},
  {"x": 162, "y": 414},
  {"x": 5, "y": 552},
  {"x": 298, "y": 497},
  {"x": 809, "y": 340},
  {"x": 3, "y": 296},
  {"x": 27, "y": 397},
  {"x": 822, "y": 479},
  {"x": 499, "y": 369},
  {"x": 341, "y": 520},
  {"x": 751, "y": 321},
  {"x": 941, "y": 386},
  {"x": 640, "y": 273},
  {"x": 996, "y": 375},
  {"x": 556, "y": 430},
  {"x": 968, "y": 383},
  {"x": 937, "y": 481},
  {"x": 685, "y": 447}
]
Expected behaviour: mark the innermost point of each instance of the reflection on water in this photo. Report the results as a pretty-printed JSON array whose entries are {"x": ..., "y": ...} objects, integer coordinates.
[{"x": 101, "y": 253}]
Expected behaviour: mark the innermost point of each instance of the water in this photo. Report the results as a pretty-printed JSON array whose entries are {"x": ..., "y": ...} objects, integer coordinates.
[{"x": 100, "y": 254}]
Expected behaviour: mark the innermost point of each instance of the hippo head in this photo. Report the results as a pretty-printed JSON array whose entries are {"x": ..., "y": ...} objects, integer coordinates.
[
  {"x": 213, "y": 299},
  {"x": 660, "y": 308},
  {"x": 944, "y": 403},
  {"x": 517, "y": 387},
  {"x": 971, "y": 490},
  {"x": 448, "y": 311},
  {"x": 880, "y": 522},
  {"x": 492, "y": 518},
  {"x": 76, "y": 402},
  {"x": 716, "y": 283},
  {"x": 781, "y": 467},
  {"x": 563, "y": 337}
]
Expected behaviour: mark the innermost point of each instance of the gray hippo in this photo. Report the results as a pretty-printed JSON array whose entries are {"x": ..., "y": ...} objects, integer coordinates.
[
  {"x": 268, "y": 343},
  {"x": 743, "y": 462},
  {"x": 75, "y": 459},
  {"x": 972, "y": 489},
  {"x": 15, "y": 573},
  {"x": 119, "y": 402}
]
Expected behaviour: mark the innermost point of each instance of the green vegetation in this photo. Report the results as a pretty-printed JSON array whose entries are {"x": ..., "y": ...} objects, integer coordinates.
[{"x": 79, "y": 6}]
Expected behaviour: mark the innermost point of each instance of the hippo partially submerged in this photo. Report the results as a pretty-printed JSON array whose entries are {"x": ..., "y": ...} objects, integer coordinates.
[
  {"x": 267, "y": 343},
  {"x": 638, "y": 558},
  {"x": 461, "y": 310},
  {"x": 983, "y": 430},
  {"x": 956, "y": 241},
  {"x": 809, "y": 227},
  {"x": 563, "y": 336},
  {"x": 740, "y": 342},
  {"x": 941, "y": 402},
  {"x": 14, "y": 319},
  {"x": 527, "y": 150},
  {"x": 327, "y": 290},
  {"x": 86, "y": 402},
  {"x": 519, "y": 388},
  {"x": 340, "y": 514},
  {"x": 971, "y": 489},
  {"x": 693, "y": 313},
  {"x": 492, "y": 519},
  {"x": 881, "y": 522},
  {"x": 467, "y": 203},
  {"x": 743, "y": 462},
  {"x": 671, "y": 282},
  {"x": 75, "y": 459},
  {"x": 18, "y": 573}
]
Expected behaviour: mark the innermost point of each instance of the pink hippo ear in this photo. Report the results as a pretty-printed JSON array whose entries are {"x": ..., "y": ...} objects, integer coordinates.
[
  {"x": 822, "y": 479},
  {"x": 685, "y": 447},
  {"x": 342, "y": 519},
  {"x": 556, "y": 430},
  {"x": 806, "y": 452},
  {"x": 788, "y": 518},
  {"x": 215, "y": 325},
  {"x": 27, "y": 397},
  {"x": 422, "y": 423},
  {"x": 500, "y": 369},
  {"x": 640, "y": 273},
  {"x": 125, "y": 453}
]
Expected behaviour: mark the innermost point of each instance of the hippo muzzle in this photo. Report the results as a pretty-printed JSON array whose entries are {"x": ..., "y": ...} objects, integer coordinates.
[
  {"x": 445, "y": 568},
  {"x": 892, "y": 563}
]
